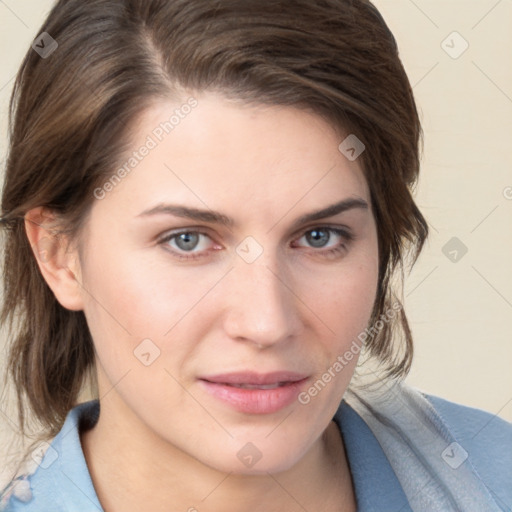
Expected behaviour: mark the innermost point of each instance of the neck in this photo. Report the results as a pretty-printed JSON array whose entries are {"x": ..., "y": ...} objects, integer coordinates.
[{"x": 137, "y": 470}]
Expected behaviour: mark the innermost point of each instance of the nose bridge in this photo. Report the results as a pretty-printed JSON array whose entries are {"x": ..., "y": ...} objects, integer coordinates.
[{"x": 261, "y": 307}]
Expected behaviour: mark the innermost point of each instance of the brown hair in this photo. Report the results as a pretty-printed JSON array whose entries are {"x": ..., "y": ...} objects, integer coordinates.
[{"x": 70, "y": 120}]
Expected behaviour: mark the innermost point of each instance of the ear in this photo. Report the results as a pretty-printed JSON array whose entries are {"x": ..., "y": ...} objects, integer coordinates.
[{"x": 59, "y": 264}]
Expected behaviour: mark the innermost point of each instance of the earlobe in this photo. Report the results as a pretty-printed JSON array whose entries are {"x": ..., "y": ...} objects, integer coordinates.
[{"x": 58, "y": 265}]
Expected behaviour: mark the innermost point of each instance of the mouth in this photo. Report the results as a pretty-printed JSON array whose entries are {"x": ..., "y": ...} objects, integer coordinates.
[
  {"x": 254, "y": 393},
  {"x": 257, "y": 386}
]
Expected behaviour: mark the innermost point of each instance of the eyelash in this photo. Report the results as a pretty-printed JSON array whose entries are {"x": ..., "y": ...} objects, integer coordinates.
[{"x": 344, "y": 234}]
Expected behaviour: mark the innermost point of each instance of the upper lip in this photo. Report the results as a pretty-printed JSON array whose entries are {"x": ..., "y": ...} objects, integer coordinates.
[{"x": 253, "y": 378}]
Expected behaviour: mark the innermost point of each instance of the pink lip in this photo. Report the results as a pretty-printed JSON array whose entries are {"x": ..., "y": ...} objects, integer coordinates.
[{"x": 256, "y": 400}]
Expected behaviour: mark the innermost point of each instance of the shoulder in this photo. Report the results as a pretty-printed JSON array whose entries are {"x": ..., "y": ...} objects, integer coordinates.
[
  {"x": 59, "y": 478},
  {"x": 443, "y": 453},
  {"x": 474, "y": 425},
  {"x": 483, "y": 438}
]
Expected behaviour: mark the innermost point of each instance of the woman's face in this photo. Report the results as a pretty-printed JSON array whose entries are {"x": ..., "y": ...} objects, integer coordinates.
[{"x": 213, "y": 302}]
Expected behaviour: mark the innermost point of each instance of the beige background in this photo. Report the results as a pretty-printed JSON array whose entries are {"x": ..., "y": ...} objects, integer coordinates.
[{"x": 460, "y": 311}]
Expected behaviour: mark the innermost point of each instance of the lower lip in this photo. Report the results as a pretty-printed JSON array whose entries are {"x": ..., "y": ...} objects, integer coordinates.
[{"x": 255, "y": 401}]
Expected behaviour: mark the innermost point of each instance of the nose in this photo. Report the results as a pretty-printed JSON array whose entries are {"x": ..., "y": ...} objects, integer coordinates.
[{"x": 261, "y": 306}]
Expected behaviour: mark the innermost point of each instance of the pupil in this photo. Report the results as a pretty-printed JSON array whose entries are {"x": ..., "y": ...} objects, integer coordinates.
[
  {"x": 187, "y": 241},
  {"x": 318, "y": 238}
]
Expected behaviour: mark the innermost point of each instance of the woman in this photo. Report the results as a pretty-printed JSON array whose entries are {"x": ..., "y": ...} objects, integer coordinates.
[{"x": 204, "y": 205}]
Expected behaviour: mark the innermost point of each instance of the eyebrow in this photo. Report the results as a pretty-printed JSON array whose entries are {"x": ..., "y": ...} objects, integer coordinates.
[{"x": 214, "y": 217}]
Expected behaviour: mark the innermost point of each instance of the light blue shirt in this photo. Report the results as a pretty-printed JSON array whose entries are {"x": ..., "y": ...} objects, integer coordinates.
[{"x": 62, "y": 482}]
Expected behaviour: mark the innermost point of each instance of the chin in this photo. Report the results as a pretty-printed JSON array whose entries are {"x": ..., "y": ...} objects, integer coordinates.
[{"x": 247, "y": 458}]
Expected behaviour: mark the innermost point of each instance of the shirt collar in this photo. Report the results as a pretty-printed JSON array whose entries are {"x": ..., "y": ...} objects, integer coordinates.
[{"x": 376, "y": 485}]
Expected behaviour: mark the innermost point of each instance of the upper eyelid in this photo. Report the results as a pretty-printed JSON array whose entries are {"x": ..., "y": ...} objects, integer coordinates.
[
  {"x": 204, "y": 231},
  {"x": 327, "y": 226}
]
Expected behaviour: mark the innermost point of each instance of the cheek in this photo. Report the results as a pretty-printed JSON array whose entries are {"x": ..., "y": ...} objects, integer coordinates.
[
  {"x": 130, "y": 290},
  {"x": 360, "y": 288},
  {"x": 131, "y": 298},
  {"x": 345, "y": 303},
  {"x": 345, "y": 300}
]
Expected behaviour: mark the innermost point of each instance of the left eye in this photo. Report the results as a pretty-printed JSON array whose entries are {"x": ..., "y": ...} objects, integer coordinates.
[
  {"x": 186, "y": 240},
  {"x": 319, "y": 237}
]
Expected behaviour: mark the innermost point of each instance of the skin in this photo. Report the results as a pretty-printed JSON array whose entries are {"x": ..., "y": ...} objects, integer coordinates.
[{"x": 294, "y": 308}]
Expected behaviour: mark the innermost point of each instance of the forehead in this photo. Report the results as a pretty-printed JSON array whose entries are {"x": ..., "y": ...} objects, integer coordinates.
[{"x": 231, "y": 156}]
